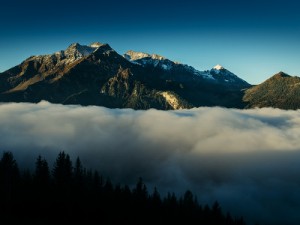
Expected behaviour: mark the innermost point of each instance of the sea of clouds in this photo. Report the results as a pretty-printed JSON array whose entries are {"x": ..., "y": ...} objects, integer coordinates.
[{"x": 248, "y": 160}]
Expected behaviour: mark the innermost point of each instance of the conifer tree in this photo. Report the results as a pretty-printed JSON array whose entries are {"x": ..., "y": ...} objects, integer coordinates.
[
  {"x": 9, "y": 175},
  {"x": 62, "y": 170},
  {"x": 78, "y": 173},
  {"x": 140, "y": 190},
  {"x": 42, "y": 174}
]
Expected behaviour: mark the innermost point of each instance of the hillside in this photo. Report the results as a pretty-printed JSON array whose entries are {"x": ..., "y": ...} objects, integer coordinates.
[{"x": 280, "y": 91}]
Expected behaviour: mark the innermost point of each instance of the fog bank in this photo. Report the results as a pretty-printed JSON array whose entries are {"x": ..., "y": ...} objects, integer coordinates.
[{"x": 248, "y": 160}]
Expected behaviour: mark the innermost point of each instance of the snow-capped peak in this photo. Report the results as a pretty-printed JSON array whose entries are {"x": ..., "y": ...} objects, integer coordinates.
[
  {"x": 144, "y": 59},
  {"x": 219, "y": 67},
  {"x": 216, "y": 74},
  {"x": 158, "y": 57},
  {"x": 76, "y": 50},
  {"x": 96, "y": 45},
  {"x": 73, "y": 53},
  {"x": 155, "y": 60},
  {"x": 132, "y": 56}
]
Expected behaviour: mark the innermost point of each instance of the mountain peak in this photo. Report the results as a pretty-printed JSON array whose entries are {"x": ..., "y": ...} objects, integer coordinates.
[
  {"x": 278, "y": 76},
  {"x": 279, "y": 91},
  {"x": 76, "y": 50},
  {"x": 158, "y": 57},
  {"x": 219, "y": 67},
  {"x": 96, "y": 44},
  {"x": 133, "y": 55},
  {"x": 74, "y": 46},
  {"x": 282, "y": 74}
]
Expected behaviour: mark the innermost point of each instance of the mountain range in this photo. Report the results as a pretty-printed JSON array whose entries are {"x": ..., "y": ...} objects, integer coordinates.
[{"x": 98, "y": 75}]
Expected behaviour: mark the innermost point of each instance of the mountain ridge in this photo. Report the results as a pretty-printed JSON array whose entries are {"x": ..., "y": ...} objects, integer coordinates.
[{"x": 96, "y": 74}]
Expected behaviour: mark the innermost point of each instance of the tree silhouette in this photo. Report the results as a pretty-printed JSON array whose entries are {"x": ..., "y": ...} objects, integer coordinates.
[
  {"x": 42, "y": 174},
  {"x": 9, "y": 182},
  {"x": 188, "y": 200},
  {"x": 78, "y": 175},
  {"x": 156, "y": 200},
  {"x": 62, "y": 170},
  {"x": 9, "y": 175},
  {"x": 79, "y": 196},
  {"x": 217, "y": 212},
  {"x": 140, "y": 190},
  {"x": 228, "y": 219}
]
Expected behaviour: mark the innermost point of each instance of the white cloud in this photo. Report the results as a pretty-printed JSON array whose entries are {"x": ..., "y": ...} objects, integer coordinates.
[{"x": 249, "y": 160}]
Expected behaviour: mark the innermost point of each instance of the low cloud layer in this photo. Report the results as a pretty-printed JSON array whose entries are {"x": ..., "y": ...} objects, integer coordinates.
[{"x": 248, "y": 160}]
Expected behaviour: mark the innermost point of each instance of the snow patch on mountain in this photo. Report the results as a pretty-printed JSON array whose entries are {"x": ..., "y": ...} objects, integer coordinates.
[
  {"x": 166, "y": 67},
  {"x": 155, "y": 60},
  {"x": 96, "y": 45},
  {"x": 219, "y": 67},
  {"x": 204, "y": 74},
  {"x": 145, "y": 59},
  {"x": 65, "y": 57},
  {"x": 224, "y": 75},
  {"x": 76, "y": 51},
  {"x": 133, "y": 56}
]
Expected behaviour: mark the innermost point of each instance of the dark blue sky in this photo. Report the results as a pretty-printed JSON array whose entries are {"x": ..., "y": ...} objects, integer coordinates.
[{"x": 253, "y": 39}]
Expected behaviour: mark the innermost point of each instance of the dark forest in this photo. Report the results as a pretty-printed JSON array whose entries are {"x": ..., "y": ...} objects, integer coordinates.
[{"x": 68, "y": 193}]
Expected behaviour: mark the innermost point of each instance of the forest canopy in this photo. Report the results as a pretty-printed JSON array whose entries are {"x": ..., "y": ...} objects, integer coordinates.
[{"x": 69, "y": 193}]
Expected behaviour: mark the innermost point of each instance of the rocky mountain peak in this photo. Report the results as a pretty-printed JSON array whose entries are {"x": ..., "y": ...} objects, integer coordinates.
[
  {"x": 219, "y": 67},
  {"x": 76, "y": 51},
  {"x": 96, "y": 44},
  {"x": 133, "y": 55},
  {"x": 74, "y": 45},
  {"x": 281, "y": 74}
]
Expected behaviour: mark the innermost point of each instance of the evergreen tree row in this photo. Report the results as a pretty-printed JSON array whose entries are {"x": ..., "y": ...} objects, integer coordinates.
[{"x": 71, "y": 194}]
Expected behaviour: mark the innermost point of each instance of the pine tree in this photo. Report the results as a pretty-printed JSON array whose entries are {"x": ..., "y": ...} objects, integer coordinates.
[
  {"x": 42, "y": 174},
  {"x": 140, "y": 190},
  {"x": 62, "y": 170},
  {"x": 156, "y": 200},
  {"x": 188, "y": 200},
  {"x": 216, "y": 209},
  {"x": 97, "y": 180},
  {"x": 9, "y": 175},
  {"x": 9, "y": 185},
  {"x": 78, "y": 173},
  {"x": 229, "y": 219}
]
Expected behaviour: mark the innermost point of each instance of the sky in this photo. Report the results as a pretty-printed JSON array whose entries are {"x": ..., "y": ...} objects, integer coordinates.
[
  {"x": 254, "y": 39},
  {"x": 247, "y": 160}
]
